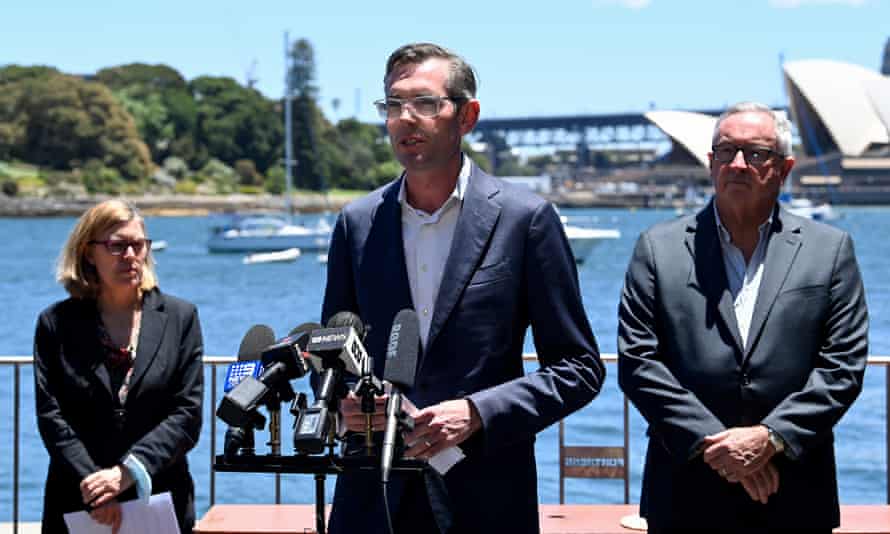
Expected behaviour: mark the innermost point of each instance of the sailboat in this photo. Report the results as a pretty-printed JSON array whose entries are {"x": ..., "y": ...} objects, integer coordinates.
[{"x": 271, "y": 233}]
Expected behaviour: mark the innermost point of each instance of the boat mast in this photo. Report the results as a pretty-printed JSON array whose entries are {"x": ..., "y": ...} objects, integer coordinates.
[{"x": 288, "y": 129}]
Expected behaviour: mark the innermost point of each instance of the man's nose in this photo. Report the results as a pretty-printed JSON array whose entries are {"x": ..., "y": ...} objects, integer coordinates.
[
  {"x": 406, "y": 112},
  {"x": 738, "y": 160}
]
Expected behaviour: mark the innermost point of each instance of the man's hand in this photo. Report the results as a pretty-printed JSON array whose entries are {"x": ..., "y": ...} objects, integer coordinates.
[
  {"x": 761, "y": 484},
  {"x": 108, "y": 514},
  {"x": 441, "y": 426},
  {"x": 739, "y": 452},
  {"x": 351, "y": 410},
  {"x": 104, "y": 485}
]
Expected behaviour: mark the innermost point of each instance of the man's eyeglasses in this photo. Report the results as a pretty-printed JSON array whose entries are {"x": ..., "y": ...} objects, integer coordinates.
[
  {"x": 427, "y": 106},
  {"x": 755, "y": 156},
  {"x": 117, "y": 247}
]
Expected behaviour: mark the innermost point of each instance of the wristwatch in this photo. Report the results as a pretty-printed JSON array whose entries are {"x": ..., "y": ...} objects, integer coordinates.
[{"x": 777, "y": 442}]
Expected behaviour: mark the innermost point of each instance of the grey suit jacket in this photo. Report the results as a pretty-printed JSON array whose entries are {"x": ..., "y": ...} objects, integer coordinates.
[
  {"x": 682, "y": 364},
  {"x": 510, "y": 267}
]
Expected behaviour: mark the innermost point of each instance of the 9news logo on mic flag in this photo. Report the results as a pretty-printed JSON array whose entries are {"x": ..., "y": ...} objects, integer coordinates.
[{"x": 238, "y": 371}]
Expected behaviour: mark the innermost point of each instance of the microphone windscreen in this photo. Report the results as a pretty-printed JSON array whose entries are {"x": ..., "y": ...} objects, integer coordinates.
[
  {"x": 257, "y": 338},
  {"x": 347, "y": 318},
  {"x": 305, "y": 328},
  {"x": 403, "y": 349}
]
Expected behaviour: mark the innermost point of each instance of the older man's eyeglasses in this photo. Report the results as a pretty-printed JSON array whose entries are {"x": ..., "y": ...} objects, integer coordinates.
[
  {"x": 755, "y": 156},
  {"x": 117, "y": 247},
  {"x": 427, "y": 106}
]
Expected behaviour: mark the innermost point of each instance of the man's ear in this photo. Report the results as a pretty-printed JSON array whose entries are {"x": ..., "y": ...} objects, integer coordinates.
[
  {"x": 787, "y": 165},
  {"x": 469, "y": 116}
]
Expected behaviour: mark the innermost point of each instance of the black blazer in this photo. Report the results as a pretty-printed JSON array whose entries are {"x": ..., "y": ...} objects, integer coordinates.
[
  {"x": 682, "y": 363},
  {"x": 510, "y": 267},
  {"x": 76, "y": 409}
]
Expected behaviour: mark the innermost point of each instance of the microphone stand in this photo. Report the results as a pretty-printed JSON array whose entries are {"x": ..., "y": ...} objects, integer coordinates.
[
  {"x": 367, "y": 388},
  {"x": 284, "y": 392}
]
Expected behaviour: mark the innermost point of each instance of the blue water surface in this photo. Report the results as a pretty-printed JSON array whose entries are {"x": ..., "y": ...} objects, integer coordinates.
[{"x": 231, "y": 297}]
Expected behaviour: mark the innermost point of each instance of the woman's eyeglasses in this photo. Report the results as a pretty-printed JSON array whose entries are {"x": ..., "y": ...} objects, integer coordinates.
[{"x": 117, "y": 247}]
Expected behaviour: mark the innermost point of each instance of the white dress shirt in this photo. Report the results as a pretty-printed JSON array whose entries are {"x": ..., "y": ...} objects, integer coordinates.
[{"x": 427, "y": 241}]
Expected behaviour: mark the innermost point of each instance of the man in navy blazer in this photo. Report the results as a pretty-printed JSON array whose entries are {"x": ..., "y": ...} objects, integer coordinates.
[
  {"x": 480, "y": 262},
  {"x": 743, "y": 335}
]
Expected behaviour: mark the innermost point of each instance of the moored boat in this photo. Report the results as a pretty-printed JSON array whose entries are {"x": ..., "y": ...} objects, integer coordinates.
[{"x": 268, "y": 233}]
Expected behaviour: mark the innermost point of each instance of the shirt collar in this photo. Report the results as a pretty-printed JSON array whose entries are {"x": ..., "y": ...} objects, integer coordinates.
[
  {"x": 725, "y": 237},
  {"x": 457, "y": 195}
]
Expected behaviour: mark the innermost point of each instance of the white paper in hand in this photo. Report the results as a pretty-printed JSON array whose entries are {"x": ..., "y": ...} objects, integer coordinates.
[
  {"x": 444, "y": 460},
  {"x": 138, "y": 517}
]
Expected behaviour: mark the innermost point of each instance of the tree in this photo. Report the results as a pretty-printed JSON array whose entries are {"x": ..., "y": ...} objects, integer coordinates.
[
  {"x": 307, "y": 123},
  {"x": 61, "y": 121},
  {"x": 234, "y": 122},
  {"x": 302, "y": 70},
  {"x": 159, "y": 99}
]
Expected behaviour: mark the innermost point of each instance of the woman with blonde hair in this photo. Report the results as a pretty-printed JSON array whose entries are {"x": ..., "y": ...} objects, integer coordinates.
[{"x": 118, "y": 376}]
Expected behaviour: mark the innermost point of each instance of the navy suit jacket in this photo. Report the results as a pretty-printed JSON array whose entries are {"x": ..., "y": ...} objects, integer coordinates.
[
  {"x": 683, "y": 365},
  {"x": 76, "y": 407},
  {"x": 510, "y": 267}
]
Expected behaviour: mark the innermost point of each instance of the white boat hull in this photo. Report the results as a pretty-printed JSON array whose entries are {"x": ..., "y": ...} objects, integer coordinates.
[
  {"x": 269, "y": 243},
  {"x": 290, "y": 254},
  {"x": 584, "y": 240},
  {"x": 268, "y": 234}
]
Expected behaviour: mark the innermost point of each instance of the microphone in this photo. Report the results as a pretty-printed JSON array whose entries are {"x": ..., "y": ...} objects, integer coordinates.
[
  {"x": 401, "y": 366},
  {"x": 332, "y": 351},
  {"x": 339, "y": 345},
  {"x": 282, "y": 361},
  {"x": 239, "y": 439}
]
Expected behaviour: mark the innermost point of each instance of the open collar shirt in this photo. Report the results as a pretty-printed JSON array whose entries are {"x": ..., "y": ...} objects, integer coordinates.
[
  {"x": 743, "y": 278},
  {"x": 426, "y": 238}
]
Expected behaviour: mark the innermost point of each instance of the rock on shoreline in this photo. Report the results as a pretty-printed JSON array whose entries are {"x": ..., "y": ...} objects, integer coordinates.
[{"x": 166, "y": 205}]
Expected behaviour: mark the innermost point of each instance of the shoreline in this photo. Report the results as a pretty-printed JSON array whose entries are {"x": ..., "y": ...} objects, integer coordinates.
[{"x": 169, "y": 205}]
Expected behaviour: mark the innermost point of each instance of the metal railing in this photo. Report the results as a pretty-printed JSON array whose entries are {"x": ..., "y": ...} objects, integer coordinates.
[{"x": 215, "y": 361}]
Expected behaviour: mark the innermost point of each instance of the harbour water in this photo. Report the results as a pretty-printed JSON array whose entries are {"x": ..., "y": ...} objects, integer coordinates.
[{"x": 232, "y": 296}]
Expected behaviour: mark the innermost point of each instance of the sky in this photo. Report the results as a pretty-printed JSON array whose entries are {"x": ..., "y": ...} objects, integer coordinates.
[{"x": 533, "y": 58}]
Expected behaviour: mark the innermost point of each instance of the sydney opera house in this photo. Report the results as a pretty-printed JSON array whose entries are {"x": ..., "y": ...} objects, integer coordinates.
[{"x": 841, "y": 113}]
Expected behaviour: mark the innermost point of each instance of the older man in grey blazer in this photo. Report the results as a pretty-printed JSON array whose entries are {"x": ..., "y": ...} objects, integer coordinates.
[{"x": 742, "y": 341}]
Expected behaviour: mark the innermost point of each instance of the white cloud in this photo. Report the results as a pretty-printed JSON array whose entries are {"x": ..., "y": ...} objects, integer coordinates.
[
  {"x": 791, "y": 4},
  {"x": 630, "y": 4}
]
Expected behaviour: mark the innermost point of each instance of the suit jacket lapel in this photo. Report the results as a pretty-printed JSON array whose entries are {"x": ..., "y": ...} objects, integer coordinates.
[
  {"x": 708, "y": 272},
  {"x": 151, "y": 333},
  {"x": 780, "y": 254},
  {"x": 90, "y": 346},
  {"x": 475, "y": 224},
  {"x": 384, "y": 257}
]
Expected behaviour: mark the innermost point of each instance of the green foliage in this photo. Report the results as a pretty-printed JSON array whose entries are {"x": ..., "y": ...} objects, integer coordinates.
[
  {"x": 302, "y": 70},
  {"x": 158, "y": 77},
  {"x": 186, "y": 187},
  {"x": 250, "y": 190},
  {"x": 275, "y": 180},
  {"x": 247, "y": 174},
  {"x": 57, "y": 121},
  {"x": 220, "y": 174},
  {"x": 176, "y": 167},
  {"x": 235, "y": 123},
  {"x": 97, "y": 178},
  {"x": 131, "y": 116},
  {"x": 9, "y": 187},
  {"x": 159, "y": 99},
  {"x": 18, "y": 73}
]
